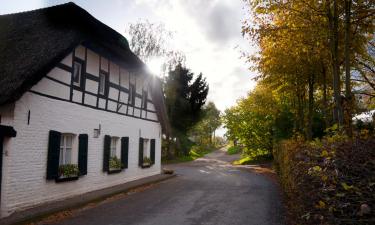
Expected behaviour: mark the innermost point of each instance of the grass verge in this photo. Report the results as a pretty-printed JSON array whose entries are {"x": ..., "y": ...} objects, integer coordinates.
[
  {"x": 232, "y": 150},
  {"x": 195, "y": 153},
  {"x": 253, "y": 158}
]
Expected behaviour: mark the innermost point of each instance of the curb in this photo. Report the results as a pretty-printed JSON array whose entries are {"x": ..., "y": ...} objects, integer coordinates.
[{"x": 41, "y": 211}]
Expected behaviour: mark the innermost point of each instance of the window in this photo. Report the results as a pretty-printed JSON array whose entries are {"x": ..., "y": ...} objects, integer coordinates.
[
  {"x": 144, "y": 100},
  {"x": 146, "y": 152},
  {"x": 66, "y": 146},
  {"x": 131, "y": 98},
  {"x": 113, "y": 146},
  {"x": 102, "y": 83},
  {"x": 77, "y": 73}
]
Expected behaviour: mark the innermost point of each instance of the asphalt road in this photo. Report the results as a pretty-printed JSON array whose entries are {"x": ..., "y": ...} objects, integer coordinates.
[{"x": 208, "y": 191}]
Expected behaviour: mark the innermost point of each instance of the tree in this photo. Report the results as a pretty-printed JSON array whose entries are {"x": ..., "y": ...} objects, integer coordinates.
[
  {"x": 148, "y": 40},
  {"x": 251, "y": 121},
  {"x": 301, "y": 54},
  {"x": 184, "y": 99},
  {"x": 204, "y": 130},
  {"x": 151, "y": 40}
]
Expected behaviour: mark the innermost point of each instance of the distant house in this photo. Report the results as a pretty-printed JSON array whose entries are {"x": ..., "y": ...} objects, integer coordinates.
[
  {"x": 78, "y": 110},
  {"x": 365, "y": 117}
]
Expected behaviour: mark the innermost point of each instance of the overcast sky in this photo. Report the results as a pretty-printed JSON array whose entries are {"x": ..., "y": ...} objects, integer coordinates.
[{"x": 207, "y": 31}]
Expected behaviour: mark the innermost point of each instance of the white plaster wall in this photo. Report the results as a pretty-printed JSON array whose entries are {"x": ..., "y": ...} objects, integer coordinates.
[
  {"x": 25, "y": 157},
  {"x": 25, "y": 162}
]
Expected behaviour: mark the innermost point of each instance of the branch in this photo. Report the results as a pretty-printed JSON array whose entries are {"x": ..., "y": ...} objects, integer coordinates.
[{"x": 364, "y": 93}]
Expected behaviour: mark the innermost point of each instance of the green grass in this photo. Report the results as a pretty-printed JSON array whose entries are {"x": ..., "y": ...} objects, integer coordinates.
[
  {"x": 233, "y": 150},
  {"x": 195, "y": 153},
  {"x": 254, "y": 157}
]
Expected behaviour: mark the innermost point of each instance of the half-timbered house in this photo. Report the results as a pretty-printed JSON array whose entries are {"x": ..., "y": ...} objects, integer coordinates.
[{"x": 78, "y": 110}]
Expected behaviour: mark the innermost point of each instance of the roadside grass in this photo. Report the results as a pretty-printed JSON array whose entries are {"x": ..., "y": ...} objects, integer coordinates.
[
  {"x": 195, "y": 153},
  {"x": 260, "y": 156},
  {"x": 232, "y": 150}
]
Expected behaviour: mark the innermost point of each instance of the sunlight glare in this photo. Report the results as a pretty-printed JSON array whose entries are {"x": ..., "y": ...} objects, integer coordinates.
[{"x": 155, "y": 66}]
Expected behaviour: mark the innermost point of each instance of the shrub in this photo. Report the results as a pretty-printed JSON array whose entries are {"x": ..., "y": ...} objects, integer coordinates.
[
  {"x": 68, "y": 170},
  {"x": 115, "y": 163},
  {"x": 330, "y": 181},
  {"x": 254, "y": 156},
  {"x": 233, "y": 150},
  {"x": 147, "y": 160}
]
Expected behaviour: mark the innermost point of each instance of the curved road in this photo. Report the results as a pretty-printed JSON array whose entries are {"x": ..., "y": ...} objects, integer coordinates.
[{"x": 207, "y": 191}]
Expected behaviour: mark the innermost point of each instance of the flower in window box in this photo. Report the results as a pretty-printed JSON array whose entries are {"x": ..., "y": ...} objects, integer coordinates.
[
  {"x": 68, "y": 170},
  {"x": 115, "y": 163},
  {"x": 146, "y": 161}
]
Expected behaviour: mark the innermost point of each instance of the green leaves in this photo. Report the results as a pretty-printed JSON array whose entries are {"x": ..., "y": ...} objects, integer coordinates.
[{"x": 346, "y": 186}]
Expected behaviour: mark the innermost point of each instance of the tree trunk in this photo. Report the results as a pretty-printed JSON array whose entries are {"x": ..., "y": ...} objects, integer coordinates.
[
  {"x": 214, "y": 138},
  {"x": 348, "y": 92},
  {"x": 333, "y": 23},
  {"x": 311, "y": 107},
  {"x": 325, "y": 103},
  {"x": 169, "y": 155}
]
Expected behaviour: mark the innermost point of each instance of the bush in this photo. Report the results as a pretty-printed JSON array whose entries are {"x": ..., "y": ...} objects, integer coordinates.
[
  {"x": 233, "y": 150},
  {"x": 114, "y": 163},
  {"x": 254, "y": 156},
  {"x": 68, "y": 170},
  {"x": 330, "y": 181}
]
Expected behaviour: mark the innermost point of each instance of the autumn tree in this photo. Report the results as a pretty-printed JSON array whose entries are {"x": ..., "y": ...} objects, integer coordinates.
[{"x": 302, "y": 53}]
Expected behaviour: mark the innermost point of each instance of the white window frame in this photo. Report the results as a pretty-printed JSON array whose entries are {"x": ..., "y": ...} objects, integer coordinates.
[
  {"x": 65, "y": 148},
  {"x": 75, "y": 65},
  {"x": 102, "y": 83},
  {"x": 113, "y": 147}
]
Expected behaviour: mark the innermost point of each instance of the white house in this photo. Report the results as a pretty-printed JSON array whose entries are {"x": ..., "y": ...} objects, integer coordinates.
[{"x": 78, "y": 110}]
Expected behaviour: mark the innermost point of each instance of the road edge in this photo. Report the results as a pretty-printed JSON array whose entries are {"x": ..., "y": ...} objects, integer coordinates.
[{"x": 44, "y": 210}]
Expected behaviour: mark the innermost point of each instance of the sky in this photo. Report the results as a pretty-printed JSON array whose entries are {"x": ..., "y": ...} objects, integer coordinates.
[{"x": 207, "y": 31}]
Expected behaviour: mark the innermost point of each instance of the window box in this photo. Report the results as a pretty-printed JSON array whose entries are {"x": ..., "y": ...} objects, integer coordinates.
[
  {"x": 65, "y": 179},
  {"x": 67, "y": 172},
  {"x": 115, "y": 165},
  {"x": 147, "y": 163},
  {"x": 113, "y": 171}
]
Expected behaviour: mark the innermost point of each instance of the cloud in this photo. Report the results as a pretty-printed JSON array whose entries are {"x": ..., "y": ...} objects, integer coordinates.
[{"x": 220, "y": 20}]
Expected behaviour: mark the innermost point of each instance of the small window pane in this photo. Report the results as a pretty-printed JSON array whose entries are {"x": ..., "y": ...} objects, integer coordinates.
[
  {"x": 66, "y": 144},
  {"x": 69, "y": 141},
  {"x": 113, "y": 147},
  {"x": 144, "y": 100},
  {"x": 131, "y": 99},
  {"x": 77, "y": 72},
  {"x": 102, "y": 84},
  {"x": 61, "y": 159},
  {"x": 68, "y": 156}
]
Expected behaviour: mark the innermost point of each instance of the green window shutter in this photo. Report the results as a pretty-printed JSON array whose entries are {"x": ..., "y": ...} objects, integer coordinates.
[
  {"x": 140, "y": 159},
  {"x": 152, "y": 151},
  {"x": 53, "y": 154},
  {"x": 82, "y": 153},
  {"x": 106, "y": 151},
  {"x": 124, "y": 151}
]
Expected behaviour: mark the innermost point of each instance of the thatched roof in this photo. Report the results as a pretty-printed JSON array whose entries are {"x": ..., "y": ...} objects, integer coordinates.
[{"x": 33, "y": 42}]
